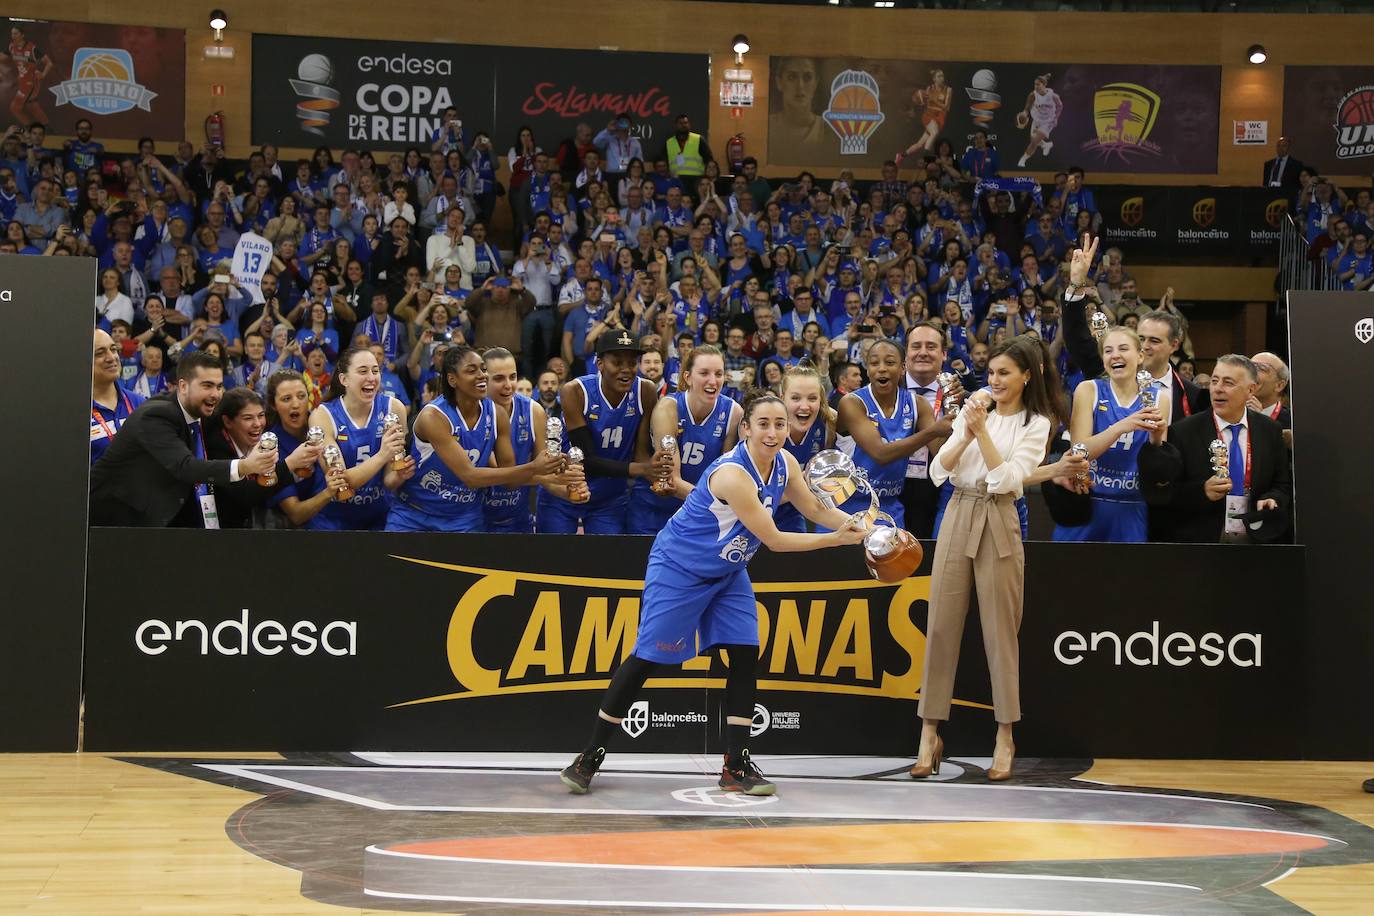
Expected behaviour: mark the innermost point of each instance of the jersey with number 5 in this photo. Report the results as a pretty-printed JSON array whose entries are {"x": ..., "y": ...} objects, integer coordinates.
[{"x": 614, "y": 428}]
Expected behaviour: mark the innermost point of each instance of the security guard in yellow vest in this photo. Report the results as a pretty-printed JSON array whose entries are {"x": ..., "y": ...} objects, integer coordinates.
[{"x": 686, "y": 152}]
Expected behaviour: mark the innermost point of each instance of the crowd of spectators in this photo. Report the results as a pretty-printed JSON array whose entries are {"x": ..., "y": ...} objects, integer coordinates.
[{"x": 405, "y": 252}]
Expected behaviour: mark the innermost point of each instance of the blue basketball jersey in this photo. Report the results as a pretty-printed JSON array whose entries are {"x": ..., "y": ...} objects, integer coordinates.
[
  {"x": 887, "y": 479},
  {"x": 510, "y": 506},
  {"x": 613, "y": 431},
  {"x": 698, "y": 444},
  {"x": 787, "y": 518},
  {"x": 706, "y": 535},
  {"x": 436, "y": 489},
  {"x": 303, "y": 489},
  {"x": 370, "y": 502},
  {"x": 1115, "y": 476}
]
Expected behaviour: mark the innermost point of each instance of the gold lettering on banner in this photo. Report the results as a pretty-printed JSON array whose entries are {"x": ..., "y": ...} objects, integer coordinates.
[{"x": 854, "y": 638}]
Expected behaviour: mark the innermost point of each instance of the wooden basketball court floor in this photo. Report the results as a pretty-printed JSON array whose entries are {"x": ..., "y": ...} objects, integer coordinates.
[{"x": 497, "y": 834}]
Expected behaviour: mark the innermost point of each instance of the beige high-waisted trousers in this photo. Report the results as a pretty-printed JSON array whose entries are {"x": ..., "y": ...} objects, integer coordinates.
[{"x": 979, "y": 546}]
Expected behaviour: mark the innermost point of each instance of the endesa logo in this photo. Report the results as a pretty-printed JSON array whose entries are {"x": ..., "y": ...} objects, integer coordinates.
[
  {"x": 1148, "y": 649},
  {"x": 241, "y": 637}
]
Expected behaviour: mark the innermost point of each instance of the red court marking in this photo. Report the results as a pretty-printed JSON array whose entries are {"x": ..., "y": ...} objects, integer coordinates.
[{"x": 872, "y": 844}]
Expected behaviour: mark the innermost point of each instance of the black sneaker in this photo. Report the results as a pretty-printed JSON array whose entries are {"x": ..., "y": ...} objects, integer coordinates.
[
  {"x": 578, "y": 774},
  {"x": 740, "y": 775}
]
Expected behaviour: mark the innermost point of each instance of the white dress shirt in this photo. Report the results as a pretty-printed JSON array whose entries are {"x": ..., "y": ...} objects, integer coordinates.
[
  {"x": 1021, "y": 445},
  {"x": 918, "y": 464}
]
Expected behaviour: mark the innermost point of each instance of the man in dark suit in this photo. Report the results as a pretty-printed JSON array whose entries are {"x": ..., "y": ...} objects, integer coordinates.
[
  {"x": 1282, "y": 170},
  {"x": 1268, "y": 397},
  {"x": 1208, "y": 508},
  {"x": 155, "y": 474}
]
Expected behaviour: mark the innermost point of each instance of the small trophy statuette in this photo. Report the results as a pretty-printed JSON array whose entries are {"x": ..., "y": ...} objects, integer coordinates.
[
  {"x": 663, "y": 486},
  {"x": 1099, "y": 323},
  {"x": 1221, "y": 458},
  {"x": 313, "y": 436},
  {"x": 334, "y": 458},
  {"x": 389, "y": 422},
  {"x": 268, "y": 443},
  {"x": 1079, "y": 450},
  {"x": 947, "y": 381},
  {"x": 553, "y": 435},
  {"x": 579, "y": 492}
]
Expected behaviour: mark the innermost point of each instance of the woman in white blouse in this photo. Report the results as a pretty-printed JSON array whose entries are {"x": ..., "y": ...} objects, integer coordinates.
[
  {"x": 110, "y": 303},
  {"x": 998, "y": 440}
]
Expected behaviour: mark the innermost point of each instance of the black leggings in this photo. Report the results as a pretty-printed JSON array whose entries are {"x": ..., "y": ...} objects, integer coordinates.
[{"x": 739, "y": 682}]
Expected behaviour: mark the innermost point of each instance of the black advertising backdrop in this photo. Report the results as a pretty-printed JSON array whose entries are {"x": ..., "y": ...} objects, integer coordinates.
[
  {"x": 45, "y": 578},
  {"x": 1237, "y": 225},
  {"x": 341, "y": 92},
  {"x": 129, "y": 80},
  {"x": 1330, "y": 338},
  {"x": 552, "y": 90},
  {"x": 1328, "y": 115},
  {"x": 390, "y": 94},
  {"x": 414, "y": 642},
  {"x": 825, "y": 112}
]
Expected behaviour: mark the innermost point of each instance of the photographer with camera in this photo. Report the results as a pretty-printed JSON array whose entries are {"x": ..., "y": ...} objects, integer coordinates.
[
  {"x": 539, "y": 275},
  {"x": 499, "y": 310}
]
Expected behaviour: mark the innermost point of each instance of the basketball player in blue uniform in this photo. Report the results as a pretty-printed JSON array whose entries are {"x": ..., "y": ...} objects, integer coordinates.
[
  {"x": 705, "y": 425},
  {"x": 462, "y": 446},
  {"x": 288, "y": 417},
  {"x": 1108, "y": 418},
  {"x": 810, "y": 430},
  {"x": 887, "y": 424},
  {"x": 110, "y": 403},
  {"x": 605, "y": 414},
  {"x": 510, "y": 510},
  {"x": 697, "y": 593},
  {"x": 353, "y": 419}
]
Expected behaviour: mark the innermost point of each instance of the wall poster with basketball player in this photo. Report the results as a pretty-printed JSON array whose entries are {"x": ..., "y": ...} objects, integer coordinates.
[
  {"x": 130, "y": 81},
  {"x": 852, "y": 112},
  {"x": 1328, "y": 116}
]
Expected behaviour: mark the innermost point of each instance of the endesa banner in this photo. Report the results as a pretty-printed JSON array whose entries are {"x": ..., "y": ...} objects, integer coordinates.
[
  {"x": 340, "y": 92},
  {"x": 390, "y": 94},
  {"x": 433, "y": 642},
  {"x": 1328, "y": 115},
  {"x": 1231, "y": 225},
  {"x": 129, "y": 81},
  {"x": 847, "y": 112}
]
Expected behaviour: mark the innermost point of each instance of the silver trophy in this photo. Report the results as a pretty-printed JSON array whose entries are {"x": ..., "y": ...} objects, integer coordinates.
[
  {"x": 1149, "y": 395},
  {"x": 267, "y": 442},
  {"x": 1099, "y": 323},
  {"x": 398, "y": 460},
  {"x": 313, "y": 436},
  {"x": 833, "y": 477},
  {"x": 947, "y": 381},
  {"x": 1221, "y": 458},
  {"x": 553, "y": 435},
  {"x": 1079, "y": 450},
  {"x": 577, "y": 493},
  {"x": 664, "y": 486}
]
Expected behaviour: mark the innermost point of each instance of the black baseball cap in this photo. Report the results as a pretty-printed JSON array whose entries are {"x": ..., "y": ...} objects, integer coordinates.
[{"x": 617, "y": 339}]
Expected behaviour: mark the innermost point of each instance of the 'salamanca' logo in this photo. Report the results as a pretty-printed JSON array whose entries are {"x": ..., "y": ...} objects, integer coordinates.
[
  {"x": 103, "y": 83},
  {"x": 854, "y": 113},
  {"x": 317, "y": 95},
  {"x": 1123, "y": 115}
]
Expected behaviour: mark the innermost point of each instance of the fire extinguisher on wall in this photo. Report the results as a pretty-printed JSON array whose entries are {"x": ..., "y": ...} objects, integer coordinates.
[
  {"x": 214, "y": 129},
  {"x": 734, "y": 152}
]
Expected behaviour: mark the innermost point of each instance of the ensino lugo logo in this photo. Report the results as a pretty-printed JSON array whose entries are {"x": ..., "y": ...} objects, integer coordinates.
[{"x": 103, "y": 83}]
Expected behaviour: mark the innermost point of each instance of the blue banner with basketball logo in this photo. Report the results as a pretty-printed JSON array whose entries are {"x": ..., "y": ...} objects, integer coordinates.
[
  {"x": 838, "y": 112},
  {"x": 129, "y": 81}
]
